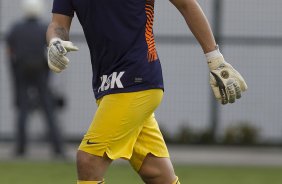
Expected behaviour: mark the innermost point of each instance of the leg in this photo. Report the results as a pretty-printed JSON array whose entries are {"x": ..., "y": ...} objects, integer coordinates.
[
  {"x": 114, "y": 131},
  {"x": 150, "y": 157},
  {"x": 21, "y": 130},
  {"x": 91, "y": 167},
  {"x": 23, "y": 111},
  {"x": 155, "y": 170},
  {"x": 49, "y": 109}
]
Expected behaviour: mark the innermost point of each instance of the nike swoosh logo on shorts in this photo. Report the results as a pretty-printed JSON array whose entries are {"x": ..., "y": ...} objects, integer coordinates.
[{"x": 88, "y": 142}]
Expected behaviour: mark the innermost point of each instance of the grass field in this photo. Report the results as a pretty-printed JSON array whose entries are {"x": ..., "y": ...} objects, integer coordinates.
[{"x": 64, "y": 173}]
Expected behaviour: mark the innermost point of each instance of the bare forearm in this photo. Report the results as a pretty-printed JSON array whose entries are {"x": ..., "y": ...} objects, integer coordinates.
[
  {"x": 59, "y": 27},
  {"x": 55, "y": 30},
  {"x": 197, "y": 22}
]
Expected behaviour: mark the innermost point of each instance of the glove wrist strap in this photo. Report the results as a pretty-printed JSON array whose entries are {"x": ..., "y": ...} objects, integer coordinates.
[
  {"x": 214, "y": 58},
  {"x": 213, "y": 54}
]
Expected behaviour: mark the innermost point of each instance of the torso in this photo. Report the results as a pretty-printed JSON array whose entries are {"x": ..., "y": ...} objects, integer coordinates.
[{"x": 121, "y": 43}]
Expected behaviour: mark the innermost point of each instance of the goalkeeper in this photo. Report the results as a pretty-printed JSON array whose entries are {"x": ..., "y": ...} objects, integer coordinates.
[{"x": 128, "y": 83}]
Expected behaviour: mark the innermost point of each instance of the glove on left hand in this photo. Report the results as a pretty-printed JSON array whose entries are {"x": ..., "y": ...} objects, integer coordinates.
[{"x": 227, "y": 84}]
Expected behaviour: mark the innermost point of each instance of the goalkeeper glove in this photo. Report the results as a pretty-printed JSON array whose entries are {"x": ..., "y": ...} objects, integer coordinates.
[
  {"x": 57, "y": 50},
  {"x": 227, "y": 84}
]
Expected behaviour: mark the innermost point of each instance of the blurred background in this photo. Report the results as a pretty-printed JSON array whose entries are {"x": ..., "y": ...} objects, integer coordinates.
[{"x": 203, "y": 136}]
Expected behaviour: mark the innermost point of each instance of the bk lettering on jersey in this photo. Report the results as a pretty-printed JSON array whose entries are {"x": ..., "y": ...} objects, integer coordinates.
[{"x": 111, "y": 81}]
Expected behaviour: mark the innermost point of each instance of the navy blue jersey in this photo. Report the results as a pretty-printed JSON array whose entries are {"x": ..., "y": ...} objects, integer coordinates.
[{"x": 120, "y": 37}]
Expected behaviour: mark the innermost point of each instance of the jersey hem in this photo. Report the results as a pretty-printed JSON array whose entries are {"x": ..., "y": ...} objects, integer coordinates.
[{"x": 127, "y": 90}]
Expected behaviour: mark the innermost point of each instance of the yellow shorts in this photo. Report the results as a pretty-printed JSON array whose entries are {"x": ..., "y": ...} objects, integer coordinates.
[{"x": 124, "y": 126}]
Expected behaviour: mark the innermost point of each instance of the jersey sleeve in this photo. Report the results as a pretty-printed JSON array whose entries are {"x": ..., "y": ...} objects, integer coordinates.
[{"x": 63, "y": 7}]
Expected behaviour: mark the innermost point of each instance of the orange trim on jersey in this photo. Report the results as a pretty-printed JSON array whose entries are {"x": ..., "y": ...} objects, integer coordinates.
[{"x": 152, "y": 52}]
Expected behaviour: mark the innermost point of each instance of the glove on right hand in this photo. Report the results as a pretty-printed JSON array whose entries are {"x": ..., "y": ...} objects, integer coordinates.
[{"x": 57, "y": 50}]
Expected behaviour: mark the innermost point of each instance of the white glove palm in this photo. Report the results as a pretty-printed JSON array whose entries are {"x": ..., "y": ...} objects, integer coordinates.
[
  {"x": 57, "y": 60},
  {"x": 227, "y": 84}
]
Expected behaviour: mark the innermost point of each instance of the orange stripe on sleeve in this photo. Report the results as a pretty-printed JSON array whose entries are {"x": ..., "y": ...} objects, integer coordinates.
[{"x": 152, "y": 52}]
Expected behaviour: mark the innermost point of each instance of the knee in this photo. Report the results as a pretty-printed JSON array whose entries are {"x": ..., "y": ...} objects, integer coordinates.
[
  {"x": 91, "y": 167},
  {"x": 86, "y": 168},
  {"x": 148, "y": 173},
  {"x": 156, "y": 175},
  {"x": 157, "y": 171}
]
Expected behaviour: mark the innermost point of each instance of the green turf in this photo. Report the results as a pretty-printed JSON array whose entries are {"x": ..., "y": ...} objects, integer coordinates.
[{"x": 64, "y": 173}]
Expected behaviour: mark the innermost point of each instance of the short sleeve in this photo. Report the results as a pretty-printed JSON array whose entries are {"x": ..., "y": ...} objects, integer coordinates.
[{"x": 63, "y": 7}]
